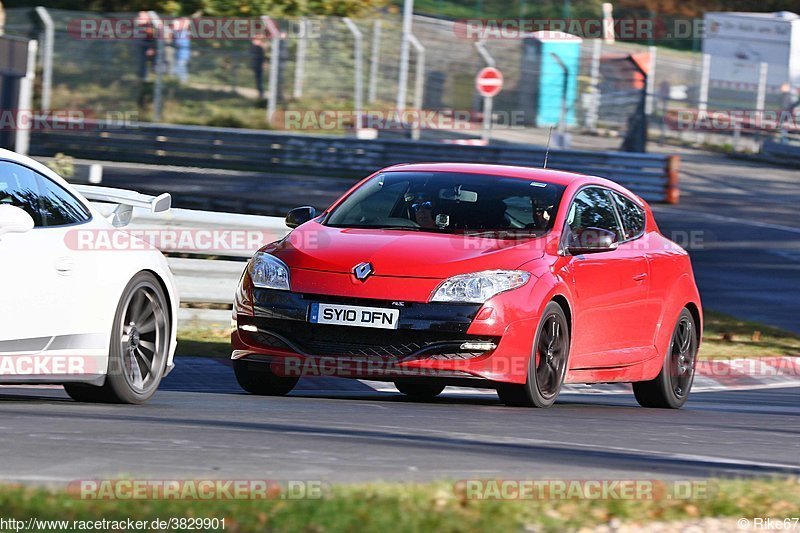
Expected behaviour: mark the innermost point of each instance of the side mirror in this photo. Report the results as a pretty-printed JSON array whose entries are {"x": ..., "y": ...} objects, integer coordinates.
[
  {"x": 592, "y": 241},
  {"x": 14, "y": 220},
  {"x": 300, "y": 215}
]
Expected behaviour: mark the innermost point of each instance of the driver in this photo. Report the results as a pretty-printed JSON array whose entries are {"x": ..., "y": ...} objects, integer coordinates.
[{"x": 423, "y": 213}]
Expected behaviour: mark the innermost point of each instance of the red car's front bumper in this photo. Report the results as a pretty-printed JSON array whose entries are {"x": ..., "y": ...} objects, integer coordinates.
[{"x": 434, "y": 340}]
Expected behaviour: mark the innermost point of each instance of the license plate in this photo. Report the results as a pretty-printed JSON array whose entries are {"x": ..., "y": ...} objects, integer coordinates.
[{"x": 352, "y": 315}]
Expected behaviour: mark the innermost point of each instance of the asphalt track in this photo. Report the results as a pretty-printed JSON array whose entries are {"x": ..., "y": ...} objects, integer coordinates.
[{"x": 350, "y": 435}]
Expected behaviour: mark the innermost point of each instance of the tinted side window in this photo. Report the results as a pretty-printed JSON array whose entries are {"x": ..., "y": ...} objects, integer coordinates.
[
  {"x": 20, "y": 188},
  {"x": 58, "y": 207},
  {"x": 592, "y": 208},
  {"x": 632, "y": 216}
]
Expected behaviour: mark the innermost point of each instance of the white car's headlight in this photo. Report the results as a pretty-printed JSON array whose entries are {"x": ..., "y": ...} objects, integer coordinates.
[
  {"x": 478, "y": 287},
  {"x": 268, "y": 272}
]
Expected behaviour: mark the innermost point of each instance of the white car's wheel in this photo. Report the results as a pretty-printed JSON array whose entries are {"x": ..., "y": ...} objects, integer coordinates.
[{"x": 140, "y": 342}]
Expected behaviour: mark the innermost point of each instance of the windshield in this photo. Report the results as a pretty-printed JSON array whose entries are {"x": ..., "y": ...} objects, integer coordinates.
[{"x": 449, "y": 202}]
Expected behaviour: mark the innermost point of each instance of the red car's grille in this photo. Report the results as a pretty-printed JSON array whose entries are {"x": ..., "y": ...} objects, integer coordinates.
[{"x": 345, "y": 341}]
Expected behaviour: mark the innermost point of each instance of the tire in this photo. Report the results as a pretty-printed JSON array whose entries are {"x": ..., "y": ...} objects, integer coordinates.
[
  {"x": 548, "y": 363},
  {"x": 140, "y": 340},
  {"x": 84, "y": 393},
  {"x": 419, "y": 391},
  {"x": 670, "y": 389},
  {"x": 258, "y": 379}
]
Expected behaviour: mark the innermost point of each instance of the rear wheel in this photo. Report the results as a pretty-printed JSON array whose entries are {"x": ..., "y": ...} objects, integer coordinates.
[
  {"x": 419, "y": 391},
  {"x": 670, "y": 389},
  {"x": 140, "y": 340},
  {"x": 548, "y": 363},
  {"x": 259, "y": 379}
]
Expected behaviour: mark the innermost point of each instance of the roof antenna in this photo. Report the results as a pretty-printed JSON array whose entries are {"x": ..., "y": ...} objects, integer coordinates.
[{"x": 547, "y": 150}]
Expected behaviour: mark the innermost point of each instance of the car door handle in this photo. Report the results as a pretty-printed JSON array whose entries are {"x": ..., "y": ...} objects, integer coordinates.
[
  {"x": 640, "y": 277},
  {"x": 64, "y": 265}
]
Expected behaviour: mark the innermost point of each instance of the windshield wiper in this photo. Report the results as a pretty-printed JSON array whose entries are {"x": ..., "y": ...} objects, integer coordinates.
[
  {"x": 502, "y": 233},
  {"x": 405, "y": 228}
]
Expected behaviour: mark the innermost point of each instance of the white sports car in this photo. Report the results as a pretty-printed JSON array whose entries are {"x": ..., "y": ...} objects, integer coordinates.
[{"x": 101, "y": 320}]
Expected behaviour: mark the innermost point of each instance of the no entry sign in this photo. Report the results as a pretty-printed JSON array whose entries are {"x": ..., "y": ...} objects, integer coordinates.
[{"x": 489, "y": 82}]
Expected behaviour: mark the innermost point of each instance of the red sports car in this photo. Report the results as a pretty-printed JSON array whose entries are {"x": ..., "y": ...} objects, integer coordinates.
[{"x": 511, "y": 278}]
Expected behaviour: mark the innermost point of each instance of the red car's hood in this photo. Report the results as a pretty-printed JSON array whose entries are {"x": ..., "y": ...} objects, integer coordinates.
[{"x": 401, "y": 253}]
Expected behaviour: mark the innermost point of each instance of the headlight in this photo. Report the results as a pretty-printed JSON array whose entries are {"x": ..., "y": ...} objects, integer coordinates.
[
  {"x": 268, "y": 272},
  {"x": 479, "y": 286}
]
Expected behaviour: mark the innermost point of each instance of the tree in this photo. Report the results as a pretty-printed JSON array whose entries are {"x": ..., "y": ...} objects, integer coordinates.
[
  {"x": 289, "y": 8},
  {"x": 220, "y": 8}
]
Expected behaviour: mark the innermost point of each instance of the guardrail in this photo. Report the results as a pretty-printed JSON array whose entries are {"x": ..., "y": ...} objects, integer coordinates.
[
  {"x": 206, "y": 275},
  {"x": 652, "y": 176}
]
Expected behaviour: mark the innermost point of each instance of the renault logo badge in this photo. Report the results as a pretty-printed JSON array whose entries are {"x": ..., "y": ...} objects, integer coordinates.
[{"x": 362, "y": 271}]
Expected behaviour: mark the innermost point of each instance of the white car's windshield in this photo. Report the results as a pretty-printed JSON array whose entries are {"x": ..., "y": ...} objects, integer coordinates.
[{"x": 450, "y": 202}]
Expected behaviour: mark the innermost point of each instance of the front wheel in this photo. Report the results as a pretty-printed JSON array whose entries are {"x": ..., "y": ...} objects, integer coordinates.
[
  {"x": 140, "y": 340},
  {"x": 670, "y": 389},
  {"x": 259, "y": 379},
  {"x": 548, "y": 363}
]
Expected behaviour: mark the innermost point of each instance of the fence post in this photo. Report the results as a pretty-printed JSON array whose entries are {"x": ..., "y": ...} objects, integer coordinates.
[
  {"x": 374, "y": 61},
  {"x": 488, "y": 101},
  {"x": 274, "y": 59},
  {"x": 702, "y": 105},
  {"x": 22, "y": 136},
  {"x": 47, "y": 56},
  {"x": 651, "y": 81},
  {"x": 358, "y": 54},
  {"x": 561, "y": 138},
  {"x": 762, "y": 86},
  {"x": 594, "y": 85},
  {"x": 673, "y": 193},
  {"x": 761, "y": 96},
  {"x": 402, "y": 79},
  {"x": 419, "y": 84},
  {"x": 300, "y": 60},
  {"x": 158, "y": 65}
]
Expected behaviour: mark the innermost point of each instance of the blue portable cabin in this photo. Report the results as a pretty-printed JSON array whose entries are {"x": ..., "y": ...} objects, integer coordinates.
[{"x": 542, "y": 78}]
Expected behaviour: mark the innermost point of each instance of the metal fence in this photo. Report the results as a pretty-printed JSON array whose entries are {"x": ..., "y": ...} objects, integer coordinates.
[
  {"x": 318, "y": 72},
  {"x": 652, "y": 176}
]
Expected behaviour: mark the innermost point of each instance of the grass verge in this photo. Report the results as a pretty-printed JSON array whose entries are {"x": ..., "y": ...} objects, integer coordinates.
[
  {"x": 204, "y": 342},
  {"x": 729, "y": 337},
  {"x": 724, "y": 337},
  {"x": 417, "y": 507}
]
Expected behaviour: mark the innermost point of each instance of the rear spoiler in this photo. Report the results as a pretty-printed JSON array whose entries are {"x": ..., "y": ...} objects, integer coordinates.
[{"x": 126, "y": 200}]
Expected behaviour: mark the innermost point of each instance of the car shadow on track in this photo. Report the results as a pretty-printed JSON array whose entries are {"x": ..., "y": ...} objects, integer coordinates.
[{"x": 334, "y": 431}]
